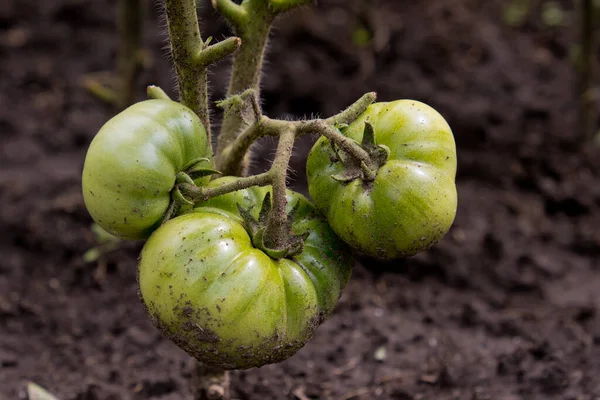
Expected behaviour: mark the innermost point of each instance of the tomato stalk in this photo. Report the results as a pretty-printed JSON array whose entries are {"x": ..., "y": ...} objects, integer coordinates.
[
  {"x": 251, "y": 21},
  {"x": 197, "y": 194},
  {"x": 231, "y": 157},
  {"x": 360, "y": 155},
  {"x": 192, "y": 56},
  {"x": 277, "y": 232}
]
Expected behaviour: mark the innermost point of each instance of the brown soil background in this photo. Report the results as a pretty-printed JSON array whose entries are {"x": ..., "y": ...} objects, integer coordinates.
[{"x": 505, "y": 307}]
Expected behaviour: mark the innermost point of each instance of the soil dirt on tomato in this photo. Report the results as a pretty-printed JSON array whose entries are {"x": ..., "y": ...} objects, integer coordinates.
[{"x": 505, "y": 307}]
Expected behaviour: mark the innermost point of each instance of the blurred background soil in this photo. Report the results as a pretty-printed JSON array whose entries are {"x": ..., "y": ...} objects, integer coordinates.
[{"x": 505, "y": 307}]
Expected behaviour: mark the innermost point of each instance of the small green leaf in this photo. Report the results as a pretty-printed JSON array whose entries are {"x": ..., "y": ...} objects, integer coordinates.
[
  {"x": 250, "y": 224},
  {"x": 293, "y": 212},
  {"x": 346, "y": 177},
  {"x": 195, "y": 162},
  {"x": 201, "y": 172},
  {"x": 258, "y": 240},
  {"x": 368, "y": 135},
  {"x": 265, "y": 209},
  {"x": 182, "y": 177},
  {"x": 297, "y": 244},
  {"x": 181, "y": 203},
  {"x": 380, "y": 154}
]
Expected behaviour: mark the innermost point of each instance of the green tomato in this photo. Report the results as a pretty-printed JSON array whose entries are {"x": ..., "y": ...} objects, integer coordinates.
[
  {"x": 132, "y": 162},
  {"x": 227, "y": 303},
  {"x": 411, "y": 204}
]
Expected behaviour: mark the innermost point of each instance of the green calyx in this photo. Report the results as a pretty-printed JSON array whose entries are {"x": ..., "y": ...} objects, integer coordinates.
[
  {"x": 180, "y": 203},
  {"x": 195, "y": 169},
  {"x": 294, "y": 244},
  {"x": 360, "y": 169}
]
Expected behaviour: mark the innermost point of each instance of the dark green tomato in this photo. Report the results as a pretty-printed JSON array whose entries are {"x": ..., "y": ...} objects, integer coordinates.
[
  {"x": 131, "y": 164},
  {"x": 227, "y": 303},
  {"x": 411, "y": 203}
]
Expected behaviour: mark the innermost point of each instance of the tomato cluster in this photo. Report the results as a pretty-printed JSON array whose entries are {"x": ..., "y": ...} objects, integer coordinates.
[{"x": 205, "y": 281}]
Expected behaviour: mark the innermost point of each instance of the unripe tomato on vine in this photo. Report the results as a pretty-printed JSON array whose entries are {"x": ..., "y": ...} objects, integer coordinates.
[
  {"x": 211, "y": 287},
  {"x": 134, "y": 162},
  {"x": 410, "y": 200}
]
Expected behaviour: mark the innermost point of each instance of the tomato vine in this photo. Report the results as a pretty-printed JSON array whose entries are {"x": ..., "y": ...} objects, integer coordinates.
[{"x": 151, "y": 174}]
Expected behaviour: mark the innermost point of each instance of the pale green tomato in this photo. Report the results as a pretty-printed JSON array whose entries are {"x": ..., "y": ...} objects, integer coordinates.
[
  {"x": 229, "y": 304},
  {"x": 132, "y": 162},
  {"x": 412, "y": 202}
]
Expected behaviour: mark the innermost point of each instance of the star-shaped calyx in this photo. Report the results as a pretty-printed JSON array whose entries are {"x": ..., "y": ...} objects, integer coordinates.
[
  {"x": 360, "y": 169},
  {"x": 257, "y": 230},
  {"x": 180, "y": 204}
]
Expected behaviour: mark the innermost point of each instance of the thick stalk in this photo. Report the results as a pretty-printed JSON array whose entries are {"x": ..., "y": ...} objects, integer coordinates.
[
  {"x": 247, "y": 64},
  {"x": 192, "y": 56},
  {"x": 186, "y": 43},
  {"x": 277, "y": 232},
  {"x": 586, "y": 92},
  {"x": 351, "y": 113},
  {"x": 130, "y": 24}
]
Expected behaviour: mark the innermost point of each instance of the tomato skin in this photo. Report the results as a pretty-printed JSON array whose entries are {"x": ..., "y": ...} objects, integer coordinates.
[
  {"x": 227, "y": 303},
  {"x": 412, "y": 202},
  {"x": 131, "y": 164}
]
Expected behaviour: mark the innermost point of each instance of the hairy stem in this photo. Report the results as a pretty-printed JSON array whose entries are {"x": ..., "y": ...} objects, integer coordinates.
[
  {"x": 130, "y": 23},
  {"x": 192, "y": 56},
  {"x": 232, "y": 156},
  {"x": 247, "y": 65},
  {"x": 348, "y": 145},
  {"x": 351, "y": 113},
  {"x": 197, "y": 194},
  {"x": 277, "y": 232},
  {"x": 286, "y": 5},
  {"x": 231, "y": 161},
  {"x": 186, "y": 42}
]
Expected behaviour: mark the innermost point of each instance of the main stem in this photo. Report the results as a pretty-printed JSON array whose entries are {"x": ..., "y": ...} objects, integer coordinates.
[
  {"x": 186, "y": 43},
  {"x": 247, "y": 66}
]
